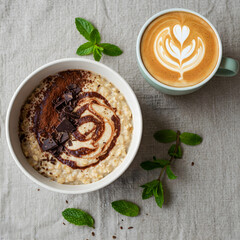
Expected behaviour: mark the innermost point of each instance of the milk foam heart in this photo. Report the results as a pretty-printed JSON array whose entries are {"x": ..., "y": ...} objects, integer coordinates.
[
  {"x": 177, "y": 57},
  {"x": 179, "y": 49},
  {"x": 181, "y": 33}
]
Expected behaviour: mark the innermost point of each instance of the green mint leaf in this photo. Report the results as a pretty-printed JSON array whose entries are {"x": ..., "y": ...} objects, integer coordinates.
[
  {"x": 126, "y": 208},
  {"x": 85, "y": 49},
  {"x": 172, "y": 153},
  {"x": 148, "y": 165},
  {"x": 97, "y": 54},
  {"x": 162, "y": 162},
  {"x": 190, "y": 138},
  {"x": 165, "y": 136},
  {"x": 151, "y": 184},
  {"x": 158, "y": 194},
  {"x": 169, "y": 172},
  {"x": 95, "y": 36},
  {"x": 78, "y": 217},
  {"x": 84, "y": 27},
  {"x": 147, "y": 193},
  {"x": 157, "y": 163},
  {"x": 110, "y": 49}
]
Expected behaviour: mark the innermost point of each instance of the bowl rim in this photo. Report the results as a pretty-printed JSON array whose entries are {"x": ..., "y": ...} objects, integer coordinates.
[
  {"x": 144, "y": 69},
  {"x": 98, "y": 184}
]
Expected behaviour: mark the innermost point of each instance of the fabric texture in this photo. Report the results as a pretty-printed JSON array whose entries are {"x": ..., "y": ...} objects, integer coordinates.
[{"x": 202, "y": 203}]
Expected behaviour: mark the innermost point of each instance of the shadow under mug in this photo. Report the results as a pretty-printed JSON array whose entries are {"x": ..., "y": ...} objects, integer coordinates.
[{"x": 225, "y": 67}]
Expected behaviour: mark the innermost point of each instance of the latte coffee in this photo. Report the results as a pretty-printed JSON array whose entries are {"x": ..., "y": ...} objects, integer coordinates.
[{"x": 179, "y": 49}]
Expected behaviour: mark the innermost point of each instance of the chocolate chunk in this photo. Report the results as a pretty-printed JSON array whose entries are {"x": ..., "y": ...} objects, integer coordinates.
[
  {"x": 63, "y": 137},
  {"x": 68, "y": 96},
  {"x": 77, "y": 90},
  {"x": 59, "y": 104},
  {"x": 65, "y": 126},
  {"x": 68, "y": 109},
  {"x": 49, "y": 144},
  {"x": 60, "y": 149},
  {"x": 72, "y": 115},
  {"x": 71, "y": 86},
  {"x": 62, "y": 115},
  {"x": 55, "y": 153}
]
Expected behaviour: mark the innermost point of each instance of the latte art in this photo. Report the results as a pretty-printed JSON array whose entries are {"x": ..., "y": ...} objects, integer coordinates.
[
  {"x": 175, "y": 57},
  {"x": 179, "y": 49}
]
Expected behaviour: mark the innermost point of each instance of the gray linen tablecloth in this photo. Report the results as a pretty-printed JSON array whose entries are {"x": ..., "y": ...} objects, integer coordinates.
[{"x": 203, "y": 203}]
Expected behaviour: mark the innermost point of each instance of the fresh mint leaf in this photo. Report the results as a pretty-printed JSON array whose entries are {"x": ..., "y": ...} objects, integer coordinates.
[
  {"x": 147, "y": 193},
  {"x": 78, "y": 217},
  {"x": 148, "y": 189},
  {"x": 97, "y": 54},
  {"x": 190, "y": 138},
  {"x": 148, "y": 165},
  {"x": 95, "y": 36},
  {"x": 84, "y": 27},
  {"x": 169, "y": 172},
  {"x": 159, "y": 195},
  {"x": 172, "y": 153},
  {"x": 151, "y": 184},
  {"x": 126, "y": 208},
  {"x": 165, "y": 136},
  {"x": 110, "y": 49},
  {"x": 157, "y": 163},
  {"x": 85, "y": 49},
  {"x": 162, "y": 162}
]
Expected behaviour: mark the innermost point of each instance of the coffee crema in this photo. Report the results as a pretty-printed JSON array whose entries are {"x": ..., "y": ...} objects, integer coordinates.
[{"x": 179, "y": 49}]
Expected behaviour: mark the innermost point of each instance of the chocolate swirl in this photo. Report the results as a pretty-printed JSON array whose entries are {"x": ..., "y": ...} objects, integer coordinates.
[
  {"x": 95, "y": 126},
  {"x": 97, "y": 131}
]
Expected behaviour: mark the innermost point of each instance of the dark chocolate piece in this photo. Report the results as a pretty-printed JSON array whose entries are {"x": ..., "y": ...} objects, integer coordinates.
[
  {"x": 63, "y": 137},
  {"x": 65, "y": 126},
  {"x": 71, "y": 115},
  {"x": 59, "y": 104},
  {"x": 71, "y": 86},
  {"x": 68, "y": 109},
  {"x": 49, "y": 144},
  {"x": 60, "y": 149},
  {"x": 77, "y": 90},
  {"x": 68, "y": 96}
]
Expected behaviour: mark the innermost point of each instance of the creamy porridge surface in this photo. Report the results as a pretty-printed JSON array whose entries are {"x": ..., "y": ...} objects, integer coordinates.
[{"x": 75, "y": 128}]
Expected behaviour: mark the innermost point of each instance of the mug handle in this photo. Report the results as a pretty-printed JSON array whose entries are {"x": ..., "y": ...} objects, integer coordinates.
[{"x": 229, "y": 67}]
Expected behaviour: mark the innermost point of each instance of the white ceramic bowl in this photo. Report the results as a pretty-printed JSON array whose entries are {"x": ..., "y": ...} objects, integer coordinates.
[{"x": 31, "y": 82}]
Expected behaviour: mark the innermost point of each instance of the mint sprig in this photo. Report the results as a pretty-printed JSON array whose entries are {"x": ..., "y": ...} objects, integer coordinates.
[
  {"x": 78, "y": 217},
  {"x": 94, "y": 45},
  {"x": 155, "y": 188}
]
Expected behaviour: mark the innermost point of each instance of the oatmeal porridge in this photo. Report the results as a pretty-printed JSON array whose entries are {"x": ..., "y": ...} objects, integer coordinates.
[{"x": 75, "y": 127}]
